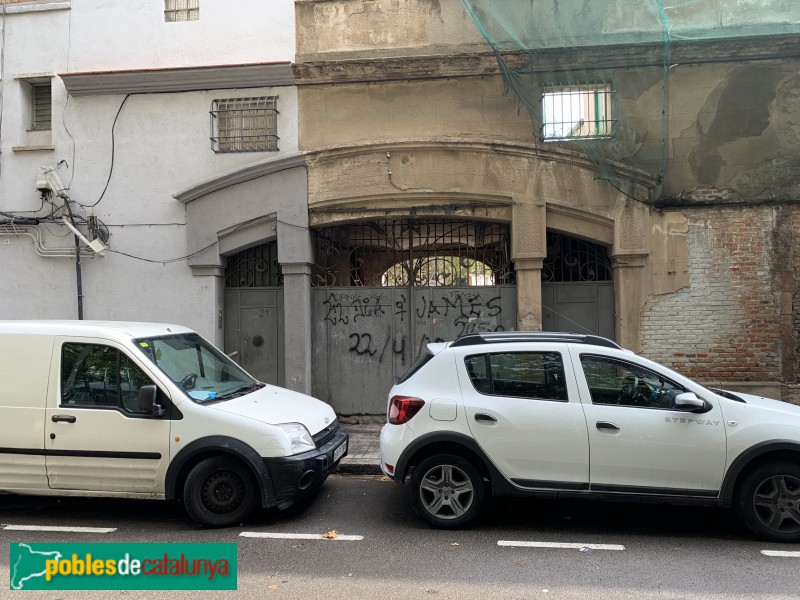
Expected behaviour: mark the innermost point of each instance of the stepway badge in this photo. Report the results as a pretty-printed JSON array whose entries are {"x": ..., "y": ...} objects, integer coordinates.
[{"x": 122, "y": 566}]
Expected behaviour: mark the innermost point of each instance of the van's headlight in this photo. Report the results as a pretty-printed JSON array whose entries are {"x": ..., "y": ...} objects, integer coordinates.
[{"x": 299, "y": 438}]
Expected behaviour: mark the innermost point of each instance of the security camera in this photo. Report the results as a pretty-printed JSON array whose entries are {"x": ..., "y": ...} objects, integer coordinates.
[{"x": 47, "y": 181}]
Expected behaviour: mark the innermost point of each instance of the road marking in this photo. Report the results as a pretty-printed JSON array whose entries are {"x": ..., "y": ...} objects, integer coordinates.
[
  {"x": 299, "y": 536},
  {"x": 562, "y": 545},
  {"x": 784, "y": 553},
  {"x": 59, "y": 528}
]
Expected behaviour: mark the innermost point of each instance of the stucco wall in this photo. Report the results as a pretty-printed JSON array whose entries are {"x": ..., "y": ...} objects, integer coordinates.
[
  {"x": 133, "y": 35},
  {"x": 160, "y": 147}
]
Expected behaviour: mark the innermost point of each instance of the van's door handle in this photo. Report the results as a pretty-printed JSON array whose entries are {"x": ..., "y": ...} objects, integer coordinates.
[
  {"x": 482, "y": 417},
  {"x": 64, "y": 418},
  {"x": 607, "y": 425}
]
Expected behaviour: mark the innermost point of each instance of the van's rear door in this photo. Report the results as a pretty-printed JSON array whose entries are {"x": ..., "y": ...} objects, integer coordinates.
[{"x": 97, "y": 437}]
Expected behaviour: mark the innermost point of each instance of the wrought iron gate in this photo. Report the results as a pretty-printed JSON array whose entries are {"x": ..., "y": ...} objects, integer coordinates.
[{"x": 385, "y": 289}]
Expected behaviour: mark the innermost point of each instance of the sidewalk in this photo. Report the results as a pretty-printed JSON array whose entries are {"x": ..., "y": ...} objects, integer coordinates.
[{"x": 363, "y": 455}]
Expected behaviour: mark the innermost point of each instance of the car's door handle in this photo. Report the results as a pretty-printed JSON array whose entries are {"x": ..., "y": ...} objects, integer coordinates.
[
  {"x": 484, "y": 418},
  {"x": 64, "y": 418},
  {"x": 607, "y": 425}
]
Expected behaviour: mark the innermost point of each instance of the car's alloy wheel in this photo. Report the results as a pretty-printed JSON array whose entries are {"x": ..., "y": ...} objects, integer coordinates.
[
  {"x": 769, "y": 502},
  {"x": 447, "y": 490},
  {"x": 220, "y": 492}
]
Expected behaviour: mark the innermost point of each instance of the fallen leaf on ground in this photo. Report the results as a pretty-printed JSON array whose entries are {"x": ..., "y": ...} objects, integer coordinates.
[
  {"x": 331, "y": 535},
  {"x": 272, "y": 587}
]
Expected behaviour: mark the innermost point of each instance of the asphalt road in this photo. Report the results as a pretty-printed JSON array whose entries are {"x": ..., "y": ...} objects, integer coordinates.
[{"x": 664, "y": 552}]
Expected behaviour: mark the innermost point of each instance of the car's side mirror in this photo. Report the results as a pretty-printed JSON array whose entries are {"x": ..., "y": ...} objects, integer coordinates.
[
  {"x": 688, "y": 401},
  {"x": 148, "y": 402}
]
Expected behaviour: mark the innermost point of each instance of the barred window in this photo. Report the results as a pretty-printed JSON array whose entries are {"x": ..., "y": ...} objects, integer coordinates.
[
  {"x": 41, "y": 100},
  {"x": 181, "y": 10},
  {"x": 577, "y": 111},
  {"x": 244, "y": 124}
]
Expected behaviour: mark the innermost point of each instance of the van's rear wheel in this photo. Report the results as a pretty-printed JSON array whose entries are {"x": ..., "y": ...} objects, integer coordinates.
[{"x": 220, "y": 492}]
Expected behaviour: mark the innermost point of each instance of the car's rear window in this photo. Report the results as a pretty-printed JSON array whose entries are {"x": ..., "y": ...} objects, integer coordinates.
[{"x": 421, "y": 361}]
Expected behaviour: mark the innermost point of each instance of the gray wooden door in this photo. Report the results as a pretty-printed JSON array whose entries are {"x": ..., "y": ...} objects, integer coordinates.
[
  {"x": 579, "y": 307},
  {"x": 254, "y": 331},
  {"x": 366, "y": 336}
]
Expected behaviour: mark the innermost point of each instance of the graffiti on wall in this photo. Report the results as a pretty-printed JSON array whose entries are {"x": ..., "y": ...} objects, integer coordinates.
[{"x": 376, "y": 325}]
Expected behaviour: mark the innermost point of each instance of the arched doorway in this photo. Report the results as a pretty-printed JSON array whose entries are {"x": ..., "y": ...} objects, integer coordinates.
[
  {"x": 254, "y": 312},
  {"x": 577, "y": 287},
  {"x": 385, "y": 288}
]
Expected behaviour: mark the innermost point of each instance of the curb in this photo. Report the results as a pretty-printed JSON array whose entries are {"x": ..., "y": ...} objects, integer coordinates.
[{"x": 358, "y": 468}]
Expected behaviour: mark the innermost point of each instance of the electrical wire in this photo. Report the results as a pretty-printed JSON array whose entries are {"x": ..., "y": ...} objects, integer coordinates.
[{"x": 113, "y": 147}]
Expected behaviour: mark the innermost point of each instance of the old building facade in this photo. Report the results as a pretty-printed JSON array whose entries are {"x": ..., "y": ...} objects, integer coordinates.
[{"x": 404, "y": 192}]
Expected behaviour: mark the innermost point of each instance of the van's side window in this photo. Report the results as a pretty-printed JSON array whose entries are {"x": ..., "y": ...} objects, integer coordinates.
[{"x": 93, "y": 375}]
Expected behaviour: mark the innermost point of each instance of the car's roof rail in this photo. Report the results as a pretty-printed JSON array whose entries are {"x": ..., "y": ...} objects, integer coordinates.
[{"x": 474, "y": 339}]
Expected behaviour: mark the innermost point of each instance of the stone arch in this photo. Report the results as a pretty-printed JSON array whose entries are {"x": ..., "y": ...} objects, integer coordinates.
[
  {"x": 531, "y": 186},
  {"x": 258, "y": 203}
]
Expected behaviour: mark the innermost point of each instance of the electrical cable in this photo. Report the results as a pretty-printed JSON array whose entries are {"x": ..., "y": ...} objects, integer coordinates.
[{"x": 113, "y": 146}]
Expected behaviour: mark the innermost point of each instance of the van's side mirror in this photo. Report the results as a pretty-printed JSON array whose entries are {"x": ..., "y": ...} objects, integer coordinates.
[
  {"x": 689, "y": 402},
  {"x": 148, "y": 401}
]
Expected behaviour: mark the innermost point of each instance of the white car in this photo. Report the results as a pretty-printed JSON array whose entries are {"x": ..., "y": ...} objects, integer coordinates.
[{"x": 564, "y": 415}]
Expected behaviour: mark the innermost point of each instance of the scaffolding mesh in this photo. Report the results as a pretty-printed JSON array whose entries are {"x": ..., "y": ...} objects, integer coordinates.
[{"x": 564, "y": 61}]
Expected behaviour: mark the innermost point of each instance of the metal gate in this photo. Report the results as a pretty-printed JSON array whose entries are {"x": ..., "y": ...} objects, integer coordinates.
[
  {"x": 254, "y": 312},
  {"x": 577, "y": 291},
  {"x": 385, "y": 289},
  {"x": 364, "y": 337}
]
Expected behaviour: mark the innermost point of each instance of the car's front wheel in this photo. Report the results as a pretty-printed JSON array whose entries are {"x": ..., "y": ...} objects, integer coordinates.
[
  {"x": 768, "y": 502},
  {"x": 447, "y": 490},
  {"x": 220, "y": 492}
]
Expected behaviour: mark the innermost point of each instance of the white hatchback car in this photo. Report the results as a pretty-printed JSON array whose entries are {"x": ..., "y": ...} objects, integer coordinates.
[{"x": 565, "y": 415}]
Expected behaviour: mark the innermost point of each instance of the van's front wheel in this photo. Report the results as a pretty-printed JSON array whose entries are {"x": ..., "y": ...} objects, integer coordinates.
[{"x": 220, "y": 492}]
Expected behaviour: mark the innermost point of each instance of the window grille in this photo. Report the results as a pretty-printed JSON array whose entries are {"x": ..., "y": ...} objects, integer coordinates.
[
  {"x": 181, "y": 10},
  {"x": 577, "y": 111},
  {"x": 244, "y": 124},
  {"x": 41, "y": 97}
]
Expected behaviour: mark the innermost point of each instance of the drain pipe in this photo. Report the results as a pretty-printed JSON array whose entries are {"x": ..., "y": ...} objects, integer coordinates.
[{"x": 77, "y": 260}]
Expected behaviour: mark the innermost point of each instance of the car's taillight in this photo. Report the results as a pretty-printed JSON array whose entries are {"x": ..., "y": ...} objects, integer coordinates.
[{"x": 402, "y": 408}]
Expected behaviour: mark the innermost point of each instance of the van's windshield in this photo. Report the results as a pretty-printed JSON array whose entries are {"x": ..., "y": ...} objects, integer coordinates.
[{"x": 197, "y": 367}]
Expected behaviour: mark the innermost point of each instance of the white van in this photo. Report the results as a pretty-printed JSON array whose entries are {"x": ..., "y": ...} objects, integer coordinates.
[{"x": 146, "y": 410}]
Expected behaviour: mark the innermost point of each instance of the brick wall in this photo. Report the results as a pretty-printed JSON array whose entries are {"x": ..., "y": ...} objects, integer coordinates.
[{"x": 727, "y": 326}]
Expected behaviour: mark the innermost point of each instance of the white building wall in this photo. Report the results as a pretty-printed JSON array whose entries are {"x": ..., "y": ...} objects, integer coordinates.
[
  {"x": 160, "y": 146},
  {"x": 118, "y": 34}
]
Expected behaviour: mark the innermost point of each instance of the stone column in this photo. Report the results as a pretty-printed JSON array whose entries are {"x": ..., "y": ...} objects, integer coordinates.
[
  {"x": 297, "y": 326},
  {"x": 529, "y": 293},
  {"x": 630, "y": 293},
  {"x": 529, "y": 247}
]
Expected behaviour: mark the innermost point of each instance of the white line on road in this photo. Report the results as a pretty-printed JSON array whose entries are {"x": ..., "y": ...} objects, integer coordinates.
[
  {"x": 569, "y": 546},
  {"x": 300, "y": 536},
  {"x": 59, "y": 529},
  {"x": 784, "y": 553}
]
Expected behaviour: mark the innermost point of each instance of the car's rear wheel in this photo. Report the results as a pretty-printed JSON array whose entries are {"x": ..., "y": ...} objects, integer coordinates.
[
  {"x": 768, "y": 502},
  {"x": 447, "y": 491},
  {"x": 220, "y": 492}
]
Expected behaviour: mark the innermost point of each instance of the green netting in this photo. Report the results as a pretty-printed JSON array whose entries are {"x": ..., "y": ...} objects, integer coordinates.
[{"x": 570, "y": 47}]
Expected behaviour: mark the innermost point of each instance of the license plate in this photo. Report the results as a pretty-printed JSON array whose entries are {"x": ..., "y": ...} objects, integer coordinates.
[{"x": 339, "y": 452}]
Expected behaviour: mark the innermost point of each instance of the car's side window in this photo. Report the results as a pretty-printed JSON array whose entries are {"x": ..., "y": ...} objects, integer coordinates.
[
  {"x": 98, "y": 376},
  {"x": 617, "y": 382},
  {"x": 538, "y": 375}
]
